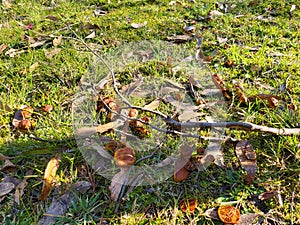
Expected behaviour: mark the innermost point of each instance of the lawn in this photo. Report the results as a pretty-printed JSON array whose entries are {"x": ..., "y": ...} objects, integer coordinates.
[{"x": 51, "y": 55}]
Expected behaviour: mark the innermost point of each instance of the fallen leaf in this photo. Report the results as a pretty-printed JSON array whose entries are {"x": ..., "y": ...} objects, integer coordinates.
[
  {"x": 212, "y": 213},
  {"x": 8, "y": 166},
  {"x": 57, "y": 41},
  {"x": 37, "y": 44},
  {"x": 51, "y": 53},
  {"x": 138, "y": 25},
  {"x": 59, "y": 206},
  {"x": 212, "y": 154},
  {"x": 5, "y": 188},
  {"x": 152, "y": 105},
  {"x": 91, "y": 35},
  {"x": 247, "y": 219},
  {"x": 53, "y": 18},
  {"x": 229, "y": 214},
  {"x": 20, "y": 187},
  {"x": 99, "y": 12},
  {"x": 13, "y": 52},
  {"x": 267, "y": 195},
  {"x": 239, "y": 90},
  {"x": 247, "y": 157},
  {"x": 188, "y": 206},
  {"x": 218, "y": 81},
  {"x": 273, "y": 102},
  {"x": 118, "y": 180},
  {"x": 49, "y": 177},
  {"x": 2, "y": 47}
]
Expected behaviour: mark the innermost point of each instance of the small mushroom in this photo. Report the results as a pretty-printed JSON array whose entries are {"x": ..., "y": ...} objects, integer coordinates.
[
  {"x": 181, "y": 175},
  {"x": 229, "y": 214},
  {"x": 124, "y": 157}
]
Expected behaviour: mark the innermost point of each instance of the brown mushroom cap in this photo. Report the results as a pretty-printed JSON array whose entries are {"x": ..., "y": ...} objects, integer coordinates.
[
  {"x": 124, "y": 157},
  {"x": 181, "y": 175}
]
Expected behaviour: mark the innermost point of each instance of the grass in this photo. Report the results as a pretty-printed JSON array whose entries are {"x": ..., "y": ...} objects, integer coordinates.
[{"x": 56, "y": 79}]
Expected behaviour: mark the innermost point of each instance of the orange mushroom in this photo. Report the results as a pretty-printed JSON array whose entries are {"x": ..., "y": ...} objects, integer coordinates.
[
  {"x": 124, "y": 157},
  {"x": 181, "y": 175},
  {"x": 229, "y": 214}
]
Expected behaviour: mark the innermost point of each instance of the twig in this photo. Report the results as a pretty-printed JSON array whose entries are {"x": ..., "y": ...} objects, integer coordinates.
[{"x": 236, "y": 125}]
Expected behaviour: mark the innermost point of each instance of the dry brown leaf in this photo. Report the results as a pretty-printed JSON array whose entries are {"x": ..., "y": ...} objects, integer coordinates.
[
  {"x": 138, "y": 25},
  {"x": 13, "y": 52},
  {"x": 59, "y": 206},
  {"x": 49, "y": 177},
  {"x": 118, "y": 180},
  {"x": 57, "y": 41},
  {"x": 8, "y": 166},
  {"x": 247, "y": 219},
  {"x": 152, "y": 105},
  {"x": 212, "y": 213},
  {"x": 273, "y": 102},
  {"x": 53, "y": 18},
  {"x": 247, "y": 156},
  {"x": 5, "y": 188},
  {"x": 239, "y": 90},
  {"x": 189, "y": 205},
  {"x": 267, "y": 195},
  {"x": 51, "y": 53},
  {"x": 20, "y": 187}
]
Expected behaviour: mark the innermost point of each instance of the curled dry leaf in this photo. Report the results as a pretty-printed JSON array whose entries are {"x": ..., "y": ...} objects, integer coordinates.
[
  {"x": 124, "y": 157},
  {"x": 247, "y": 156},
  {"x": 229, "y": 214},
  {"x": 49, "y": 176},
  {"x": 273, "y": 102},
  {"x": 180, "y": 38},
  {"x": 188, "y": 205}
]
